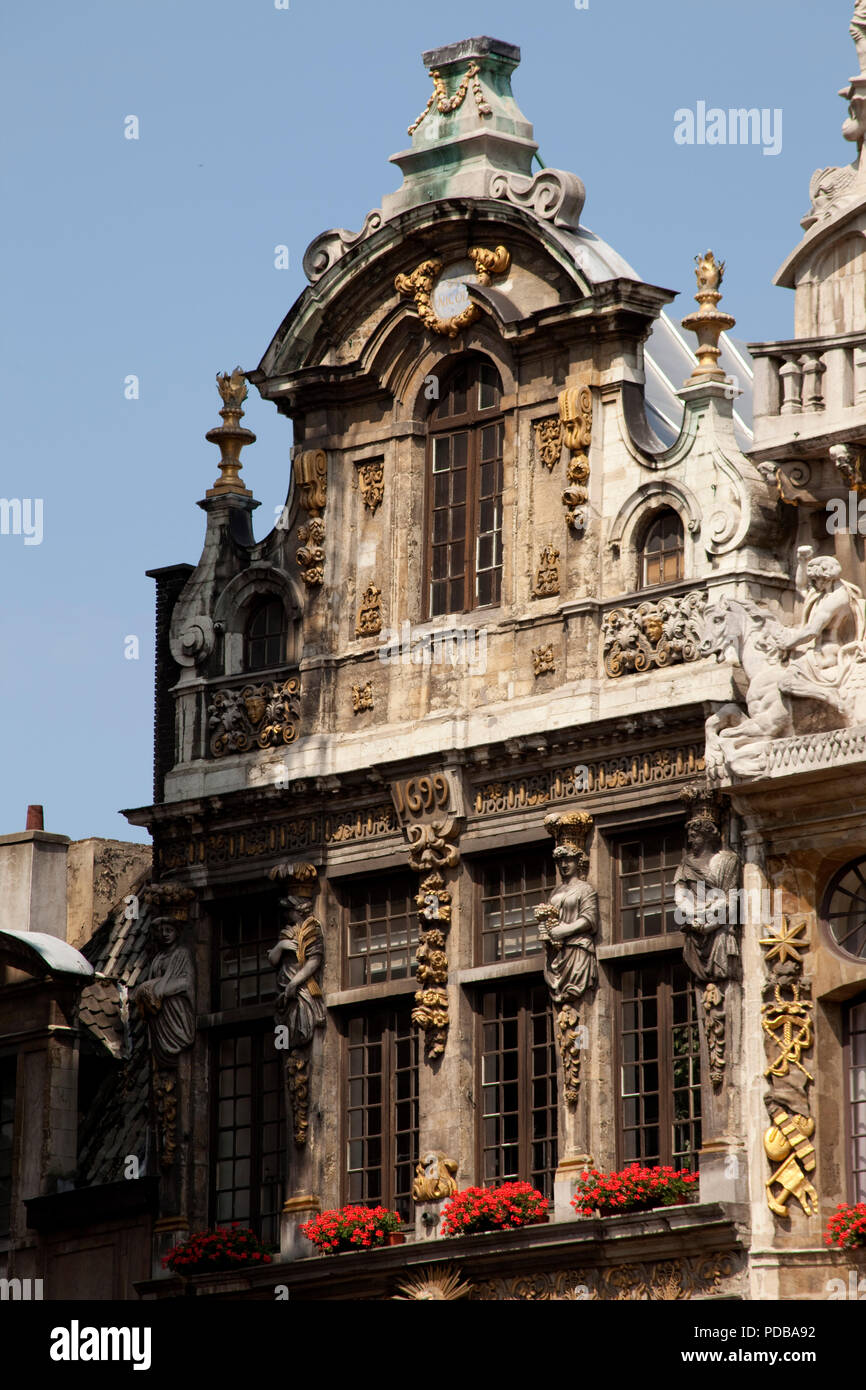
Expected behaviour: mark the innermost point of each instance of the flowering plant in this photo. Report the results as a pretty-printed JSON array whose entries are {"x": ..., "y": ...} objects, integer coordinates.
[
  {"x": 846, "y": 1228},
  {"x": 492, "y": 1209},
  {"x": 351, "y": 1228},
  {"x": 614, "y": 1193},
  {"x": 225, "y": 1248}
]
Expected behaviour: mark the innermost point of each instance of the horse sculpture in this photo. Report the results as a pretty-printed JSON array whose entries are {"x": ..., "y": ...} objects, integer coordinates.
[{"x": 736, "y": 738}]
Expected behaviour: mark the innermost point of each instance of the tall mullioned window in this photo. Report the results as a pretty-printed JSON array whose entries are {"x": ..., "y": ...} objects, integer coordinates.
[
  {"x": 517, "y": 1087},
  {"x": 381, "y": 925},
  {"x": 465, "y": 481},
  {"x": 855, "y": 1030},
  {"x": 659, "y": 1065},
  {"x": 381, "y": 1108}
]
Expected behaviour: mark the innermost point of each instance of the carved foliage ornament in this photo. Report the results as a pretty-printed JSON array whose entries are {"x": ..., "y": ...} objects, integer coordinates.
[
  {"x": 257, "y": 716},
  {"x": 431, "y": 999},
  {"x": 445, "y": 105},
  {"x": 362, "y": 697},
  {"x": 660, "y": 633},
  {"x": 547, "y": 574},
  {"x": 543, "y": 661},
  {"x": 311, "y": 556},
  {"x": 371, "y": 481},
  {"x": 656, "y": 1281},
  {"x": 548, "y": 440},
  {"x": 575, "y": 413},
  {"x": 369, "y": 622},
  {"x": 419, "y": 286}
]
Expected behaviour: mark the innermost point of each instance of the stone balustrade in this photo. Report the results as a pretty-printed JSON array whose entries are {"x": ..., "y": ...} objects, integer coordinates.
[{"x": 821, "y": 381}]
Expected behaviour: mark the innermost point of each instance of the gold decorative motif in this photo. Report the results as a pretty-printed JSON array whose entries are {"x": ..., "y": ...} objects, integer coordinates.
[
  {"x": 787, "y": 1142},
  {"x": 543, "y": 661},
  {"x": 419, "y": 285},
  {"x": 431, "y": 999},
  {"x": 371, "y": 481},
  {"x": 289, "y": 836},
  {"x": 428, "y": 844},
  {"x": 311, "y": 478},
  {"x": 298, "y": 1077},
  {"x": 788, "y": 943},
  {"x": 575, "y": 413},
  {"x": 661, "y": 633},
  {"x": 260, "y": 716},
  {"x": 489, "y": 263},
  {"x": 436, "y": 1282},
  {"x": 708, "y": 323},
  {"x": 311, "y": 556},
  {"x": 788, "y": 1024},
  {"x": 231, "y": 436},
  {"x": 547, "y": 574},
  {"x": 656, "y": 1281},
  {"x": 369, "y": 622},
  {"x": 445, "y": 105},
  {"x": 435, "y": 1178},
  {"x": 548, "y": 440},
  {"x": 603, "y": 775},
  {"x": 165, "y": 1108},
  {"x": 362, "y": 697}
]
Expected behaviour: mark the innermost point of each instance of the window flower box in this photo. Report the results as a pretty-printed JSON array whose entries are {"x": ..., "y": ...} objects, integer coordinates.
[
  {"x": 633, "y": 1189},
  {"x": 353, "y": 1228},
  {"x": 502, "y": 1208}
]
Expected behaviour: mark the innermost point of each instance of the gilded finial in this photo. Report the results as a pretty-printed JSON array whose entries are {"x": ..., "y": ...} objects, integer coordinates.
[
  {"x": 231, "y": 436},
  {"x": 708, "y": 323}
]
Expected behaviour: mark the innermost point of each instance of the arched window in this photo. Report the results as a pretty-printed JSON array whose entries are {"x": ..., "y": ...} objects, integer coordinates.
[
  {"x": 661, "y": 556},
  {"x": 265, "y": 639},
  {"x": 464, "y": 537},
  {"x": 845, "y": 909}
]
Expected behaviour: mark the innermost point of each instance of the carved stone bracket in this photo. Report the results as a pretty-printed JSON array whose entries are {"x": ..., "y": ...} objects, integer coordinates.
[
  {"x": 661, "y": 633},
  {"x": 256, "y": 716},
  {"x": 552, "y": 195},
  {"x": 311, "y": 479}
]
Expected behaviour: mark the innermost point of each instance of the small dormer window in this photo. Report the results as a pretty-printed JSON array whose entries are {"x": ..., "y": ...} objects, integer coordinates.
[
  {"x": 663, "y": 550},
  {"x": 265, "y": 636}
]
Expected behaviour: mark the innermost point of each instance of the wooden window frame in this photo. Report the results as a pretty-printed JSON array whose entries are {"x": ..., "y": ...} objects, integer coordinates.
[
  {"x": 263, "y": 603},
  {"x": 665, "y": 829},
  {"x": 389, "y": 1196},
  {"x": 665, "y": 962},
  {"x": 257, "y": 1036},
  {"x": 472, "y": 422},
  {"x": 525, "y": 986},
  {"x": 364, "y": 885},
  {"x": 482, "y": 866},
  {"x": 680, "y": 550}
]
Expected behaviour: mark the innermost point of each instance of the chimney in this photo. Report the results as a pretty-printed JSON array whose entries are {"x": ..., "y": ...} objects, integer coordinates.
[{"x": 33, "y": 879}]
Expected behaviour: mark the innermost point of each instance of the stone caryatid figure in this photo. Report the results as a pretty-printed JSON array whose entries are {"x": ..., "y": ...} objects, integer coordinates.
[
  {"x": 707, "y": 910},
  {"x": 857, "y": 30},
  {"x": 298, "y": 958},
  {"x": 568, "y": 926},
  {"x": 823, "y": 646},
  {"x": 165, "y": 997}
]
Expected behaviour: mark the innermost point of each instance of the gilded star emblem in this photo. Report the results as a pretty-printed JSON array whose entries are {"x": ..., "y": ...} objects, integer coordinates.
[{"x": 788, "y": 943}]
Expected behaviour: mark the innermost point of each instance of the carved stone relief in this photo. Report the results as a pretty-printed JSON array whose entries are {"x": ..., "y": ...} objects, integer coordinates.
[
  {"x": 547, "y": 573},
  {"x": 371, "y": 481},
  {"x": 788, "y": 1028},
  {"x": 165, "y": 998},
  {"x": 256, "y": 716},
  {"x": 660, "y": 633},
  {"x": 369, "y": 622}
]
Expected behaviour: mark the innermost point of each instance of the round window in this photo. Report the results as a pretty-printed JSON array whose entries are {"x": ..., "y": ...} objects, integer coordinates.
[{"x": 845, "y": 909}]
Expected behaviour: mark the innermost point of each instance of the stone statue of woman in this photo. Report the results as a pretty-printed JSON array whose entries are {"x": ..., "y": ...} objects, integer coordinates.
[
  {"x": 297, "y": 958},
  {"x": 706, "y": 902},
  {"x": 568, "y": 923},
  {"x": 165, "y": 996}
]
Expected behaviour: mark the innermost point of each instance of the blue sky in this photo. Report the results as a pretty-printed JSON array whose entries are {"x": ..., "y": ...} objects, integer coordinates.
[{"x": 155, "y": 257}]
